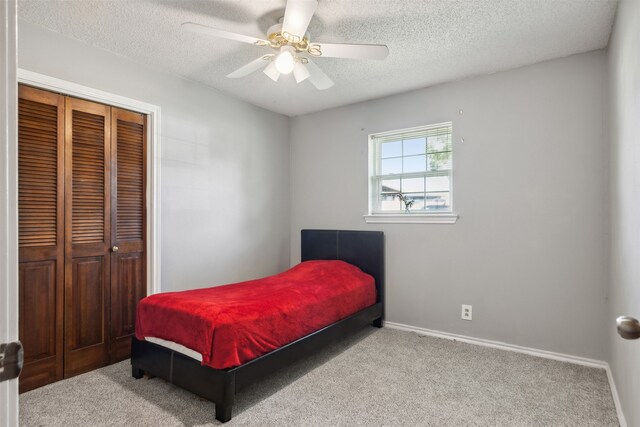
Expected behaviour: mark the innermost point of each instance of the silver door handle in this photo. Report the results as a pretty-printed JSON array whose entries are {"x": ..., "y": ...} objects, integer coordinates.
[
  {"x": 628, "y": 327},
  {"x": 11, "y": 360}
]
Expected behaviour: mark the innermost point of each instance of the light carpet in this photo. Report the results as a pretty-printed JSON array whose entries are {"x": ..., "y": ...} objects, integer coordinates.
[{"x": 378, "y": 377}]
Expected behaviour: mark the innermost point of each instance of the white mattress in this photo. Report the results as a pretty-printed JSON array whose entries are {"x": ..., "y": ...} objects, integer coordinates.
[{"x": 176, "y": 347}]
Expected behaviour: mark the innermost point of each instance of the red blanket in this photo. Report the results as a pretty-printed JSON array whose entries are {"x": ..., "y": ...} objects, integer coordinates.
[{"x": 232, "y": 324}]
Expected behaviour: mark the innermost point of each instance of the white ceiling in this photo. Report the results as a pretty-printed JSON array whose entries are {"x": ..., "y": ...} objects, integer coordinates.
[{"x": 430, "y": 41}]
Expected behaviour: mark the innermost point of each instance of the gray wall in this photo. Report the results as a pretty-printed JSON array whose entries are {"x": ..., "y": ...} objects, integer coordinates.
[
  {"x": 224, "y": 163},
  {"x": 530, "y": 186},
  {"x": 530, "y": 248},
  {"x": 624, "y": 292}
]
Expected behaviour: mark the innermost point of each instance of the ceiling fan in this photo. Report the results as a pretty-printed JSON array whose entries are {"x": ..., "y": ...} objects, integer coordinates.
[{"x": 293, "y": 47}]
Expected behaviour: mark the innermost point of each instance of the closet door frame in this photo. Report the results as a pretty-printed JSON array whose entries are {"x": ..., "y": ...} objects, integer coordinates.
[
  {"x": 153, "y": 176},
  {"x": 9, "y": 200}
]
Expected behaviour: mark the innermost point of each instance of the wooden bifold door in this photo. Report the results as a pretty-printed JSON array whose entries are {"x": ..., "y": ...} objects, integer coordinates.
[{"x": 82, "y": 233}]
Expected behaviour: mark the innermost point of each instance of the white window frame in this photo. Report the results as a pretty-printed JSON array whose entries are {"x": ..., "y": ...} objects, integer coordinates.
[{"x": 377, "y": 216}]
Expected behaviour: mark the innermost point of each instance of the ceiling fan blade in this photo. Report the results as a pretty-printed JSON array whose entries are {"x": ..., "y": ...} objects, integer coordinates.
[
  {"x": 353, "y": 51},
  {"x": 317, "y": 77},
  {"x": 203, "y": 29},
  {"x": 300, "y": 72},
  {"x": 272, "y": 71},
  {"x": 297, "y": 16},
  {"x": 249, "y": 68}
]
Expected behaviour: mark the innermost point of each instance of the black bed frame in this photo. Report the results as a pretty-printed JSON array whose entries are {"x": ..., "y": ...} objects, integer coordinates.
[{"x": 364, "y": 249}]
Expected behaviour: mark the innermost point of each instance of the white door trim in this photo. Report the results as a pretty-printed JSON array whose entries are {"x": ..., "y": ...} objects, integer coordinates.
[
  {"x": 153, "y": 155},
  {"x": 8, "y": 200}
]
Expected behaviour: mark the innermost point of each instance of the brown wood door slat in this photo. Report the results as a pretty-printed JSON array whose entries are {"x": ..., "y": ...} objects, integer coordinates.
[
  {"x": 41, "y": 234},
  {"x": 89, "y": 175},
  {"x": 35, "y": 167},
  {"x": 128, "y": 216},
  {"x": 81, "y": 190},
  {"x": 87, "y": 235}
]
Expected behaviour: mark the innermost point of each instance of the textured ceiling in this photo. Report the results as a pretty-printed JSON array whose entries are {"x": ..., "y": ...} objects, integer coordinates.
[{"x": 430, "y": 41}]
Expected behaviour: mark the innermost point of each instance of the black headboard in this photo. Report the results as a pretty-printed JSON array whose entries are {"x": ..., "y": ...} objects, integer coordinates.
[{"x": 364, "y": 249}]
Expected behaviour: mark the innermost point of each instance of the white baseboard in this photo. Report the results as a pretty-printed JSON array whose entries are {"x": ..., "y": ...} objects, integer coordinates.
[
  {"x": 616, "y": 399},
  {"x": 500, "y": 345},
  {"x": 593, "y": 363}
]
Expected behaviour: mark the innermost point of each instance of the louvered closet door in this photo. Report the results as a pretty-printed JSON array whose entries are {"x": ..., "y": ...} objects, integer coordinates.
[
  {"x": 40, "y": 234},
  {"x": 87, "y": 235},
  {"x": 128, "y": 226}
]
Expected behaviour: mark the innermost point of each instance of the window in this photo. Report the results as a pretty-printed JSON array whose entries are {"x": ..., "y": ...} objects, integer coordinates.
[{"x": 410, "y": 172}]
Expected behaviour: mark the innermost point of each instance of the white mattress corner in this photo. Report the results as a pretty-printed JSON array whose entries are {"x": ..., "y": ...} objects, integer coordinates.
[{"x": 175, "y": 347}]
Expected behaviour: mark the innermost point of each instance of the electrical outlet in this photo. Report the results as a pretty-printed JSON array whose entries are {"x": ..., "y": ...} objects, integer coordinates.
[{"x": 467, "y": 312}]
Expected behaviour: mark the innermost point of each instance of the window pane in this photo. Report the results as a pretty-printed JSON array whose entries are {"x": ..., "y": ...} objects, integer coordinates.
[
  {"x": 417, "y": 199},
  {"x": 414, "y": 146},
  {"x": 389, "y": 202},
  {"x": 417, "y": 168},
  {"x": 390, "y": 185},
  {"x": 391, "y": 149},
  {"x": 439, "y": 161},
  {"x": 412, "y": 185},
  {"x": 438, "y": 183},
  {"x": 439, "y": 143},
  {"x": 391, "y": 166},
  {"x": 438, "y": 202},
  {"x": 414, "y": 164}
]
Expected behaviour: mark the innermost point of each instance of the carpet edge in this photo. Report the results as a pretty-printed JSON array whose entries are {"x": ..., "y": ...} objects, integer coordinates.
[{"x": 577, "y": 360}]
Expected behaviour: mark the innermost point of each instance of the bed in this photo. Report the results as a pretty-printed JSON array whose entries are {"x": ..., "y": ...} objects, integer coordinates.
[{"x": 218, "y": 379}]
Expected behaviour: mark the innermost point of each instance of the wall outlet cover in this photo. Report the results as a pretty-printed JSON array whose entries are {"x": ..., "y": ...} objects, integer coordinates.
[{"x": 467, "y": 312}]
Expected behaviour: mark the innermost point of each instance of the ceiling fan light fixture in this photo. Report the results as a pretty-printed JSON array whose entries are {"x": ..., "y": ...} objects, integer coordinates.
[
  {"x": 300, "y": 72},
  {"x": 272, "y": 72},
  {"x": 292, "y": 48},
  {"x": 285, "y": 60}
]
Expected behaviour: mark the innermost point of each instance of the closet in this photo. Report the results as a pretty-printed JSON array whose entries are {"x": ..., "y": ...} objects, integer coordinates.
[{"x": 82, "y": 233}]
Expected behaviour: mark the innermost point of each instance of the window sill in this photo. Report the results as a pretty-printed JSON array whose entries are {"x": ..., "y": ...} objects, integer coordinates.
[{"x": 439, "y": 218}]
